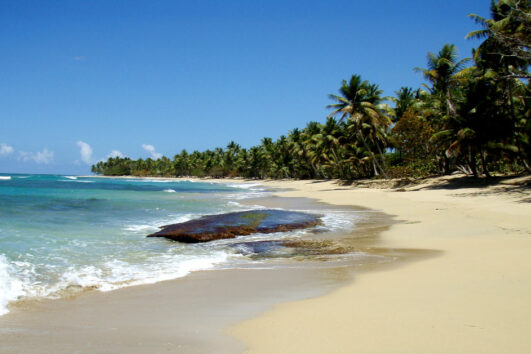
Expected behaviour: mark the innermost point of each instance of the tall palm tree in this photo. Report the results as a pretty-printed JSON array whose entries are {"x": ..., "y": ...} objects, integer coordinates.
[
  {"x": 309, "y": 147},
  {"x": 504, "y": 56},
  {"x": 444, "y": 73},
  {"x": 361, "y": 102},
  {"x": 331, "y": 139},
  {"x": 299, "y": 151},
  {"x": 507, "y": 35}
]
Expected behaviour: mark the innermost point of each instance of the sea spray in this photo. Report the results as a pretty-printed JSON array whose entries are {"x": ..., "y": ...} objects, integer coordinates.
[
  {"x": 57, "y": 238},
  {"x": 10, "y": 286}
]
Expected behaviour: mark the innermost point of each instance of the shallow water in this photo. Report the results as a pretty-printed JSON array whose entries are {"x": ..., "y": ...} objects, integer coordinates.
[{"x": 62, "y": 234}]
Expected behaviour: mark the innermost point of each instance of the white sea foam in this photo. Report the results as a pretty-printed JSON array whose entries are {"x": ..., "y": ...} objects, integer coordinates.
[
  {"x": 140, "y": 228},
  {"x": 75, "y": 180},
  {"x": 71, "y": 177},
  {"x": 236, "y": 204},
  {"x": 11, "y": 288},
  {"x": 339, "y": 220},
  {"x": 5, "y": 177},
  {"x": 108, "y": 276},
  {"x": 156, "y": 224},
  {"x": 254, "y": 186},
  {"x": 151, "y": 180},
  {"x": 116, "y": 274},
  {"x": 170, "y": 191},
  {"x": 249, "y": 190},
  {"x": 124, "y": 274}
]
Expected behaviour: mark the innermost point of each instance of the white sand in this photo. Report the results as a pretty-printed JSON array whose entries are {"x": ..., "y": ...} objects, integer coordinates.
[{"x": 474, "y": 298}]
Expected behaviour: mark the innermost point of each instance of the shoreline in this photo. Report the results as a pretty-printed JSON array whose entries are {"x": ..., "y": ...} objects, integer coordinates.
[
  {"x": 473, "y": 298},
  {"x": 116, "y": 320},
  {"x": 469, "y": 294}
]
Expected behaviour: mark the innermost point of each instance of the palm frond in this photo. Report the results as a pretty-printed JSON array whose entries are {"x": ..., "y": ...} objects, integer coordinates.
[
  {"x": 479, "y": 20},
  {"x": 479, "y": 34}
]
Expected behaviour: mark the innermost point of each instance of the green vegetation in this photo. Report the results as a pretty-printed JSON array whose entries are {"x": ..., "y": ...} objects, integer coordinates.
[
  {"x": 472, "y": 115},
  {"x": 254, "y": 219}
]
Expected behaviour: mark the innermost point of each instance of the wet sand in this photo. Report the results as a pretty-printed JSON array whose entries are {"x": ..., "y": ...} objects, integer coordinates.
[{"x": 183, "y": 316}]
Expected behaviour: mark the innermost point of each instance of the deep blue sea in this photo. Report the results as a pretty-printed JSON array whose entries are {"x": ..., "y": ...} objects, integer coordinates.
[{"x": 60, "y": 234}]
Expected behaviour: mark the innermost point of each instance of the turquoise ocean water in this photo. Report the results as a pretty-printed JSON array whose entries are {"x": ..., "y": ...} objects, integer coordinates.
[{"x": 61, "y": 234}]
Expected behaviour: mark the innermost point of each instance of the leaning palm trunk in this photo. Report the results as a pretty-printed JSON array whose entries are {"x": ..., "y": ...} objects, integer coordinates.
[
  {"x": 484, "y": 162},
  {"x": 520, "y": 155},
  {"x": 375, "y": 163},
  {"x": 384, "y": 169},
  {"x": 472, "y": 160},
  {"x": 337, "y": 162}
]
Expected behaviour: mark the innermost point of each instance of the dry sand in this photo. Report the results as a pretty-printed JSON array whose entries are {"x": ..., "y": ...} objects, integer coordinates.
[{"x": 473, "y": 298}]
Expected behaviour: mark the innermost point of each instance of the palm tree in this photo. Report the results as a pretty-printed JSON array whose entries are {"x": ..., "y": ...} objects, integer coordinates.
[
  {"x": 505, "y": 56},
  {"x": 311, "y": 149},
  {"x": 331, "y": 138},
  {"x": 229, "y": 157},
  {"x": 361, "y": 103},
  {"x": 507, "y": 38},
  {"x": 406, "y": 98},
  {"x": 296, "y": 150},
  {"x": 444, "y": 72}
]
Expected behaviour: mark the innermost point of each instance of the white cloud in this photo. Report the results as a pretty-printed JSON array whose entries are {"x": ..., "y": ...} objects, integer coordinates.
[
  {"x": 115, "y": 153},
  {"x": 41, "y": 157},
  {"x": 24, "y": 156},
  {"x": 6, "y": 149},
  {"x": 151, "y": 150},
  {"x": 86, "y": 152}
]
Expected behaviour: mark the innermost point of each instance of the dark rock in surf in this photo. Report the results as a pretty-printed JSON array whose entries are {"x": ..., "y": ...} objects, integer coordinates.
[
  {"x": 230, "y": 225},
  {"x": 290, "y": 248}
]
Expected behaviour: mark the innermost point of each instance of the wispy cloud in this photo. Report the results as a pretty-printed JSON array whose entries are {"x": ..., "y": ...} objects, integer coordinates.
[
  {"x": 6, "y": 149},
  {"x": 151, "y": 150},
  {"x": 41, "y": 157},
  {"x": 85, "y": 151},
  {"x": 115, "y": 153}
]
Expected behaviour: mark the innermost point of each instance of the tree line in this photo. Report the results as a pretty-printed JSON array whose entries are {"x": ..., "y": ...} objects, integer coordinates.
[{"x": 471, "y": 115}]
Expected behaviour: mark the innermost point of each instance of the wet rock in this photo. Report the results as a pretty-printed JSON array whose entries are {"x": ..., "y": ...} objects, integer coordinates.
[
  {"x": 230, "y": 225},
  {"x": 290, "y": 249}
]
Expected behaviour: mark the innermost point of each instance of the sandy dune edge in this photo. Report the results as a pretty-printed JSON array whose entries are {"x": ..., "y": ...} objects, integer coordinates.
[{"x": 474, "y": 298}]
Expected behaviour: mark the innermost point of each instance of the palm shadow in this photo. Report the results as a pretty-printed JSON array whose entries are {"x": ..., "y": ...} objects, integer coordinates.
[{"x": 514, "y": 186}]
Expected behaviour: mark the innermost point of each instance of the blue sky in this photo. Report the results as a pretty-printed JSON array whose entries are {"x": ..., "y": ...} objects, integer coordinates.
[{"x": 81, "y": 80}]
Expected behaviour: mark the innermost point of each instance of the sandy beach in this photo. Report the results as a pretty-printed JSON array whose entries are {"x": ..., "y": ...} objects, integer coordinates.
[
  {"x": 469, "y": 292},
  {"x": 257, "y": 177},
  {"x": 475, "y": 297}
]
